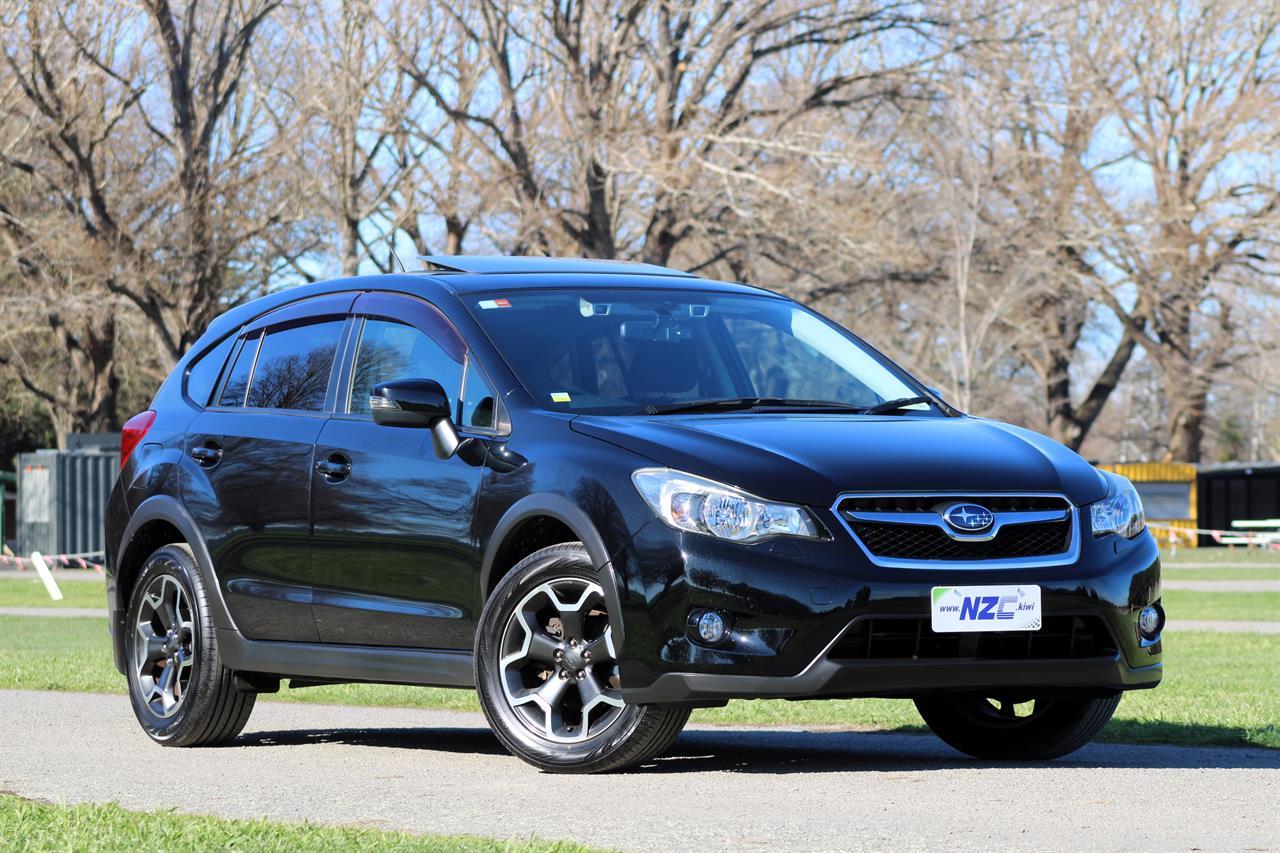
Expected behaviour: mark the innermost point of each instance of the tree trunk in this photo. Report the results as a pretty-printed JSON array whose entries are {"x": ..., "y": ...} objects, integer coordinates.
[
  {"x": 1063, "y": 425},
  {"x": 455, "y": 231},
  {"x": 1187, "y": 392}
]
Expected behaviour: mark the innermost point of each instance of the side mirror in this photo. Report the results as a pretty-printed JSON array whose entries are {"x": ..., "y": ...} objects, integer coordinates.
[{"x": 416, "y": 403}]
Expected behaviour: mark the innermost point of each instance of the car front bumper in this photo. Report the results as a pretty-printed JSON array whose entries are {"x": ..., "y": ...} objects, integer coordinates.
[{"x": 807, "y": 616}]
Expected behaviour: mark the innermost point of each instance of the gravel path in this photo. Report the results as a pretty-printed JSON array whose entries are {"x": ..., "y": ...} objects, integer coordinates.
[
  {"x": 720, "y": 789},
  {"x": 59, "y": 575},
  {"x": 1222, "y": 586},
  {"x": 56, "y": 612},
  {"x": 1262, "y": 565}
]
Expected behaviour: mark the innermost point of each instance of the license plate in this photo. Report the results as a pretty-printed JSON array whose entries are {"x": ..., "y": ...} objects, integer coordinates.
[{"x": 986, "y": 608}]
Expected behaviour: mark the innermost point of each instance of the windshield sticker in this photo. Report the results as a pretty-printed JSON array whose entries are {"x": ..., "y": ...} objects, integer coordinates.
[
  {"x": 494, "y": 303},
  {"x": 561, "y": 397}
]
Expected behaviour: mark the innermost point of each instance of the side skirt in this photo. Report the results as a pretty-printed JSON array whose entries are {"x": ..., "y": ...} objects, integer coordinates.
[{"x": 427, "y": 667}]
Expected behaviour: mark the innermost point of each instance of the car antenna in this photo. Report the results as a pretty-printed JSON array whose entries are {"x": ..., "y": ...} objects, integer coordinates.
[{"x": 392, "y": 249}]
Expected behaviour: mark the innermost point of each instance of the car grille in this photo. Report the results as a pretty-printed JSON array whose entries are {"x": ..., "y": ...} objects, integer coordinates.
[
  {"x": 912, "y": 638},
  {"x": 1027, "y": 528},
  {"x": 932, "y": 503},
  {"x": 921, "y": 542}
]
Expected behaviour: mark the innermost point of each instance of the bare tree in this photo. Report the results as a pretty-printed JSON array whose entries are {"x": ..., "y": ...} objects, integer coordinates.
[
  {"x": 158, "y": 142},
  {"x": 1067, "y": 216},
  {"x": 1052, "y": 126},
  {"x": 605, "y": 117},
  {"x": 356, "y": 102},
  {"x": 1190, "y": 200}
]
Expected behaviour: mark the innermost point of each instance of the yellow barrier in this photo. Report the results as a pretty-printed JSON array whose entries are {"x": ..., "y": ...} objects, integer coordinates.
[{"x": 1166, "y": 472}]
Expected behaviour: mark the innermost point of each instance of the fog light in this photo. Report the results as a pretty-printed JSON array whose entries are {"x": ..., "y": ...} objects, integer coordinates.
[
  {"x": 711, "y": 627},
  {"x": 1149, "y": 622}
]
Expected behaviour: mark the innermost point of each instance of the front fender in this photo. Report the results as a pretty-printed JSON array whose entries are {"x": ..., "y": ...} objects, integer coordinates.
[{"x": 572, "y": 516}]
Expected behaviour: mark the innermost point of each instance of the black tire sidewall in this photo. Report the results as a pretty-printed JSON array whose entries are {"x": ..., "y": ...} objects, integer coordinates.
[
  {"x": 176, "y": 562},
  {"x": 566, "y": 561},
  {"x": 1063, "y": 727}
]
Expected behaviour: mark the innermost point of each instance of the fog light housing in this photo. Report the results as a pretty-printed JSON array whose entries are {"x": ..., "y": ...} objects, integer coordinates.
[
  {"x": 1149, "y": 620},
  {"x": 711, "y": 627}
]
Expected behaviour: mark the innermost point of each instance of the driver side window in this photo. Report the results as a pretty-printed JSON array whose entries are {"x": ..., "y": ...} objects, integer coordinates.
[{"x": 388, "y": 351}]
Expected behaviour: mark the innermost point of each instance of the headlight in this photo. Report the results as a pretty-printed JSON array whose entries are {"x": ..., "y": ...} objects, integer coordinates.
[
  {"x": 1120, "y": 511},
  {"x": 698, "y": 505}
]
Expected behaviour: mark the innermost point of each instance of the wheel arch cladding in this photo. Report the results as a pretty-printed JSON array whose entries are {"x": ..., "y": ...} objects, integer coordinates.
[
  {"x": 536, "y": 521},
  {"x": 152, "y": 534},
  {"x": 158, "y": 521}
]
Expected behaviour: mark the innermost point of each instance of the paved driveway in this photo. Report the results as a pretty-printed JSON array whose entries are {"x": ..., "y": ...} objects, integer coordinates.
[{"x": 721, "y": 789}]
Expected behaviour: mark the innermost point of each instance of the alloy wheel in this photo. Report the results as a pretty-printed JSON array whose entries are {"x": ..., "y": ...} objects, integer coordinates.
[
  {"x": 164, "y": 646},
  {"x": 559, "y": 667},
  {"x": 1003, "y": 711}
]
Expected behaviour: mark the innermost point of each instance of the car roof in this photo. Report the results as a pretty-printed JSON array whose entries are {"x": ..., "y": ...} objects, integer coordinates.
[{"x": 464, "y": 275}]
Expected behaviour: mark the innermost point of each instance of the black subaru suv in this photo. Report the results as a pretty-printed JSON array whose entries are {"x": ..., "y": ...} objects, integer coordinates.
[{"x": 603, "y": 494}]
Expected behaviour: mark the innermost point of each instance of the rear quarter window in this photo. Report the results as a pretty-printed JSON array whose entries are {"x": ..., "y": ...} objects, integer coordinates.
[
  {"x": 203, "y": 372},
  {"x": 237, "y": 381}
]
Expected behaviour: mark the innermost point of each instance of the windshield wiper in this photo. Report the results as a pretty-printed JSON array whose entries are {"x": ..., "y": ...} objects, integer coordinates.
[
  {"x": 732, "y": 404},
  {"x": 894, "y": 405}
]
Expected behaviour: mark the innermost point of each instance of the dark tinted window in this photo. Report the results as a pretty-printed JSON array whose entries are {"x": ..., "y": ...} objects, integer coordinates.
[
  {"x": 203, "y": 373},
  {"x": 238, "y": 377},
  {"x": 293, "y": 367},
  {"x": 390, "y": 351},
  {"x": 620, "y": 352},
  {"x": 779, "y": 364}
]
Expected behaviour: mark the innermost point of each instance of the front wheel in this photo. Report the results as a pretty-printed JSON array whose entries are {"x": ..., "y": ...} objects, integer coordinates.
[
  {"x": 547, "y": 671},
  {"x": 1016, "y": 728}
]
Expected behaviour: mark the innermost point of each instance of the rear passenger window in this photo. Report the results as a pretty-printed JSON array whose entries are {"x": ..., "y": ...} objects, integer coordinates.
[
  {"x": 390, "y": 351},
  {"x": 293, "y": 367},
  {"x": 238, "y": 377}
]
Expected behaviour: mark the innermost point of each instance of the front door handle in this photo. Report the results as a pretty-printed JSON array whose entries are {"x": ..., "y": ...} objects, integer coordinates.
[
  {"x": 207, "y": 454},
  {"x": 335, "y": 468}
]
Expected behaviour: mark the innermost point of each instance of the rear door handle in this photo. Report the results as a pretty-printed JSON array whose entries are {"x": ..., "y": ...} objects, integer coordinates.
[
  {"x": 207, "y": 454},
  {"x": 335, "y": 468}
]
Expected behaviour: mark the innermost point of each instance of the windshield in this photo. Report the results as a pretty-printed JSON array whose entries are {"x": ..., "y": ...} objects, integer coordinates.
[{"x": 631, "y": 351}]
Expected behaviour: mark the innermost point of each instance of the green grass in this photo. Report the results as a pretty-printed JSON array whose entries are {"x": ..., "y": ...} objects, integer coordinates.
[
  {"x": 21, "y": 592},
  {"x": 1259, "y": 573},
  {"x": 1220, "y": 564},
  {"x": 1227, "y": 606},
  {"x": 1255, "y": 556},
  {"x": 30, "y": 592},
  {"x": 46, "y": 653},
  {"x": 31, "y": 825},
  {"x": 1221, "y": 689}
]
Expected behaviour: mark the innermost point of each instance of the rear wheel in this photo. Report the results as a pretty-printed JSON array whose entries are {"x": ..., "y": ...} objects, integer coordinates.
[
  {"x": 547, "y": 671},
  {"x": 1016, "y": 727},
  {"x": 181, "y": 693}
]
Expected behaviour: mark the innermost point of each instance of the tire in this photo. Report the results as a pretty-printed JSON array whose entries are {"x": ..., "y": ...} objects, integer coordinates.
[
  {"x": 535, "y": 676},
  {"x": 991, "y": 728},
  {"x": 203, "y": 708}
]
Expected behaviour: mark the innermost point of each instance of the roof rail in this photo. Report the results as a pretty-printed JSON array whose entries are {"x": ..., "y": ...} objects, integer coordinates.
[{"x": 508, "y": 264}]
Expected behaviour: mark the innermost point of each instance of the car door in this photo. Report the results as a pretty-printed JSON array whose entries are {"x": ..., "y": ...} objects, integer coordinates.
[
  {"x": 250, "y": 458},
  {"x": 393, "y": 546}
]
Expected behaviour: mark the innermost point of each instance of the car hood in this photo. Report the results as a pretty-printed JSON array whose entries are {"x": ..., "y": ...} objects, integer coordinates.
[{"x": 812, "y": 458}]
